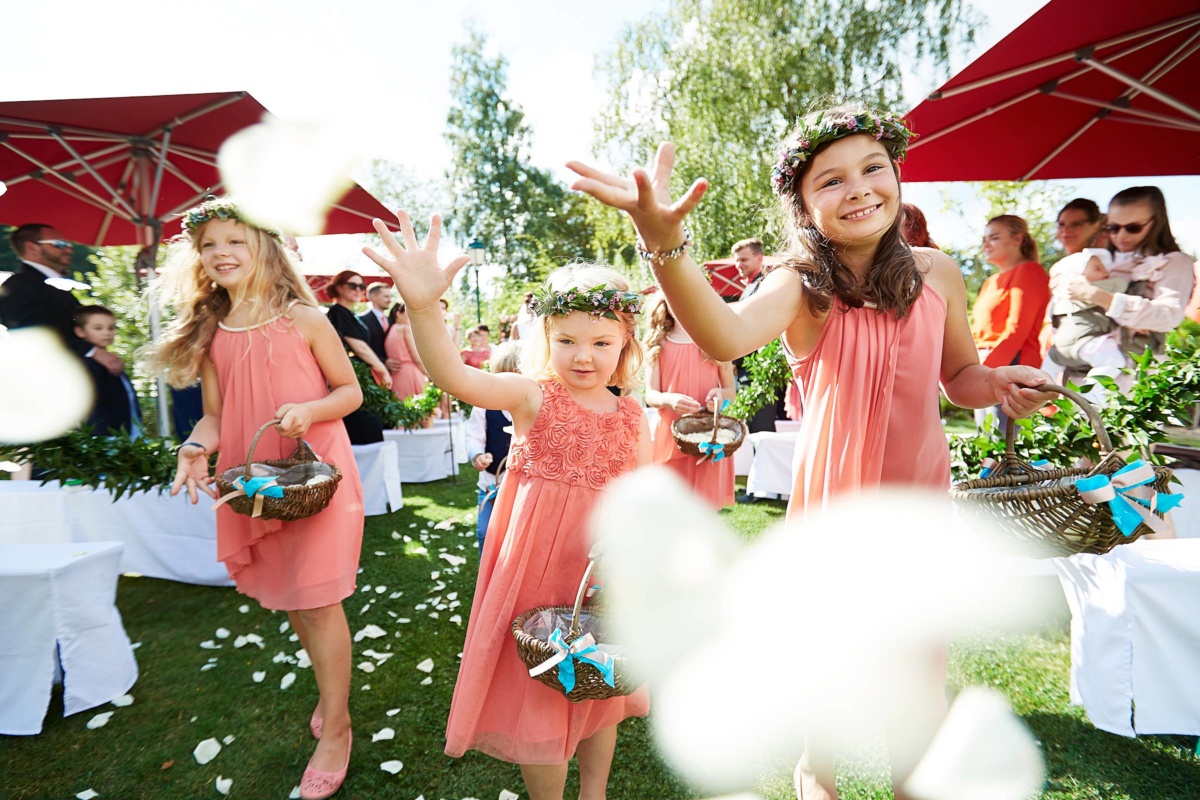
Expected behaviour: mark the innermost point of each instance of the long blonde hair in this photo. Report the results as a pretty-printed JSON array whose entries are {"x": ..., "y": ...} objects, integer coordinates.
[
  {"x": 273, "y": 283},
  {"x": 535, "y": 355}
]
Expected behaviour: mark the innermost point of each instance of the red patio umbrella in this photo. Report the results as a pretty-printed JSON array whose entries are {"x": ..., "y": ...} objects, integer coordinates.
[
  {"x": 120, "y": 170},
  {"x": 725, "y": 278},
  {"x": 1083, "y": 88}
]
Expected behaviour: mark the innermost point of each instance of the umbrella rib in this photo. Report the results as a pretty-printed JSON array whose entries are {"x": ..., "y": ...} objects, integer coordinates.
[
  {"x": 926, "y": 138},
  {"x": 197, "y": 112},
  {"x": 95, "y": 175},
  {"x": 1170, "y": 27},
  {"x": 65, "y": 164},
  {"x": 358, "y": 213},
  {"x": 158, "y": 172},
  {"x": 191, "y": 184},
  {"x": 51, "y": 128},
  {"x": 48, "y": 170},
  {"x": 1163, "y": 119},
  {"x": 1133, "y": 82},
  {"x": 1054, "y": 153}
]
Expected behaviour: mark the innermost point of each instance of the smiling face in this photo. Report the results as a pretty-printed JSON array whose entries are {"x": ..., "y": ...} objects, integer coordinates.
[
  {"x": 225, "y": 254},
  {"x": 851, "y": 192},
  {"x": 1075, "y": 231},
  {"x": 584, "y": 351},
  {"x": 1132, "y": 214}
]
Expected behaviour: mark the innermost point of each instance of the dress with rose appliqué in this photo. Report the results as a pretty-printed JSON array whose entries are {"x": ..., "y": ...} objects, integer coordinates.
[{"x": 535, "y": 554}]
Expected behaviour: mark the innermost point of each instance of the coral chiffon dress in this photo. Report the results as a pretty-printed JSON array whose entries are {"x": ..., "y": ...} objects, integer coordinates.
[
  {"x": 870, "y": 404},
  {"x": 535, "y": 554},
  {"x": 308, "y": 563},
  {"x": 683, "y": 368},
  {"x": 408, "y": 381}
]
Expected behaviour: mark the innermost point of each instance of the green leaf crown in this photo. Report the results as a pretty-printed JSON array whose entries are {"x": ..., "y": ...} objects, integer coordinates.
[
  {"x": 222, "y": 208},
  {"x": 597, "y": 301},
  {"x": 890, "y": 129}
]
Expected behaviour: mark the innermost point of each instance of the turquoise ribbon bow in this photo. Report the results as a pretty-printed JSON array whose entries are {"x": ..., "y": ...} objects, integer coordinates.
[
  {"x": 1130, "y": 497},
  {"x": 583, "y": 649},
  {"x": 262, "y": 485},
  {"x": 714, "y": 450}
]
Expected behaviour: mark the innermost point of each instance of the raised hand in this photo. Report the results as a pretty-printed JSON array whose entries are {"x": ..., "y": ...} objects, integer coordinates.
[
  {"x": 419, "y": 278},
  {"x": 191, "y": 471},
  {"x": 646, "y": 198}
]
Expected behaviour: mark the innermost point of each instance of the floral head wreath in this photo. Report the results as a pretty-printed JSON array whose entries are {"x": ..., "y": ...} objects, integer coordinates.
[
  {"x": 597, "y": 301},
  {"x": 223, "y": 208},
  {"x": 890, "y": 129}
]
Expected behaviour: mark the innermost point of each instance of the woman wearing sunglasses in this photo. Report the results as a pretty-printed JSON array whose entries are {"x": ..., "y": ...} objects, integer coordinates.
[
  {"x": 345, "y": 290},
  {"x": 1161, "y": 278}
]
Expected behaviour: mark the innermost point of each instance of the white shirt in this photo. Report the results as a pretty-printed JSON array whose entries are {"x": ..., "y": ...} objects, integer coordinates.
[{"x": 475, "y": 433}]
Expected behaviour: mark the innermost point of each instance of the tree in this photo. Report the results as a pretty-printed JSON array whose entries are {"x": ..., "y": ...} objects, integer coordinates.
[
  {"x": 529, "y": 221},
  {"x": 726, "y": 79}
]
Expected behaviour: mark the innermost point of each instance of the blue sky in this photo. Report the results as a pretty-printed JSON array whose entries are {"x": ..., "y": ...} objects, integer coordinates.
[{"x": 380, "y": 73}]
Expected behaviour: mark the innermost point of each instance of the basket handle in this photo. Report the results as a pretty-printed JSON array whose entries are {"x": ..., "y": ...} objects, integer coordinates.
[
  {"x": 587, "y": 574},
  {"x": 1010, "y": 429},
  {"x": 303, "y": 450}
]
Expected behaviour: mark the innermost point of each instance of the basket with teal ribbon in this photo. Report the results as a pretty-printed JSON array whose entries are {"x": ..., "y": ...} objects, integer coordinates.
[
  {"x": 565, "y": 647},
  {"x": 285, "y": 489},
  {"x": 709, "y": 435},
  {"x": 1052, "y": 511}
]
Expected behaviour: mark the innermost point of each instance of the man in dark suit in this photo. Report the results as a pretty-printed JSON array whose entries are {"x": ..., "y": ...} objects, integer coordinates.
[
  {"x": 379, "y": 295},
  {"x": 39, "y": 294}
]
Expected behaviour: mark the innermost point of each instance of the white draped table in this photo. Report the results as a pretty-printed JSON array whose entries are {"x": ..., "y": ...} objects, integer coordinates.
[
  {"x": 429, "y": 454},
  {"x": 1135, "y": 636},
  {"x": 57, "y": 605},
  {"x": 771, "y": 471},
  {"x": 164, "y": 537}
]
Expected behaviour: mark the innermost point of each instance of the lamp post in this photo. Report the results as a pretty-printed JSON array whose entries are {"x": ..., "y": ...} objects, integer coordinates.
[{"x": 478, "y": 253}]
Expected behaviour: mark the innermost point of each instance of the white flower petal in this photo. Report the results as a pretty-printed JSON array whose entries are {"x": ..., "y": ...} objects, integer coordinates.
[
  {"x": 206, "y": 751},
  {"x": 222, "y": 633},
  {"x": 209, "y": 644},
  {"x": 87, "y": 794},
  {"x": 444, "y": 525},
  {"x": 371, "y": 631},
  {"x": 244, "y": 609},
  {"x": 283, "y": 626},
  {"x": 392, "y": 766},
  {"x": 456, "y": 619},
  {"x": 239, "y": 642},
  {"x": 385, "y": 733},
  {"x": 123, "y": 700},
  {"x": 452, "y": 596},
  {"x": 393, "y": 712},
  {"x": 99, "y": 721},
  {"x": 258, "y": 677},
  {"x": 427, "y": 681},
  {"x": 426, "y": 665},
  {"x": 395, "y": 535},
  {"x": 380, "y": 589},
  {"x": 228, "y": 739},
  {"x": 505, "y": 794},
  {"x": 295, "y": 795},
  {"x": 288, "y": 680},
  {"x": 56, "y": 391},
  {"x": 302, "y": 659},
  {"x": 208, "y": 666},
  {"x": 367, "y": 666},
  {"x": 223, "y": 784}
]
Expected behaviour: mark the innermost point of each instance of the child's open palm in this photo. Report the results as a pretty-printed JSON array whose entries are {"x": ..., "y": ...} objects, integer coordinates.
[
  {"x": 419, "y": 278},
  {"x": 646, "y": 199}
]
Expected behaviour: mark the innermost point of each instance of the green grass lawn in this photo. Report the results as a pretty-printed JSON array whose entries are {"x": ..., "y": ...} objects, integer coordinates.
[{"x": 407, "y": 589}]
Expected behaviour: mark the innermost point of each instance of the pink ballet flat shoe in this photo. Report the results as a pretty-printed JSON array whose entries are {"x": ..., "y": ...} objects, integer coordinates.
[
  {"x": 317, "y": 785},
  {"x": 315, "y": 723}
]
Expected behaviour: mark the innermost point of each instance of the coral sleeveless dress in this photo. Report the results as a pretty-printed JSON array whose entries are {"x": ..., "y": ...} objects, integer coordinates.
[
  {"x": 683, "y": 368},
  {"x": 285, "y": 566},
  {"x": 408, "y": 380},
  {"x": 870, "y": 396},
  {"x": 535, "y": 554}
]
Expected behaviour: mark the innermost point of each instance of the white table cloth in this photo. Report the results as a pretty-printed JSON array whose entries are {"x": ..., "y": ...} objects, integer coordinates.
[
  {"x": 57, "y": 604},
  {"x": 771, "y": 470},
  {"x": 423, "y": 454},
  {"x": 457, "y": 427},
  {"x": 1135, "y": 636},
  {"x": 379, "y": 470},
  {"x": 1186, "y": 516}
]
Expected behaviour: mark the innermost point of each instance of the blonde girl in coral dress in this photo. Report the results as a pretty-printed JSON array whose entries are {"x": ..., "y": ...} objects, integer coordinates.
[
  {"x": 571, "y": 436},
  {"x": 871, "y": 327},
  {"x": 250, "y": 329},
  {"x": 403, "y": 362},
  {"x": 681, "y": 379}
]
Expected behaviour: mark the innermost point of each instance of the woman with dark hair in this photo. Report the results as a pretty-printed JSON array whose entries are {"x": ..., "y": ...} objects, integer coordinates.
[
  {"x": 870, "y": 327},
  {"x": 346, "y": 289},
  {"x": 1010, "y": 309},
  {"x": 1161, "y": 278},
  {"x": 1080, "y": 224},
  {"x": 914, "y": 229}
]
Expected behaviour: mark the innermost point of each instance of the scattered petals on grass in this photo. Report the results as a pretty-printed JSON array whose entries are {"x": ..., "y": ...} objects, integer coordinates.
[
  {"x": 505, "y": 794},
  {"x": 206, "y": 751},
  {"x": 123, "y": 700},
  {"x": 371, "y": 632},
  {"x": 244, "y": 609},
  {"x": 426, "y": 665},
  {"x": 222, "y": 633},
  {"x": 367, "y": 666},
  {"x": 453, "y": 560},
  {"x": 457, "y": 619},
  {"x": 223, "y": 784},
  {"x": 295, "y": 795},
  {"x": 392, "y": 766},
  {"x": 288, "y": 680},
  {"x": 393, "y": 712},
  {"x": 99, "y": 721},
  {"x": 385, "y": 733},
  {"x": 87, "y": 794},
  {"x": 427, "y": 681},
  {"x": 258, "y": 677},
  {"x": 302, "y": 659},
  {"x": 209, "y": 644},
  {"x": 229, "y": 739}
]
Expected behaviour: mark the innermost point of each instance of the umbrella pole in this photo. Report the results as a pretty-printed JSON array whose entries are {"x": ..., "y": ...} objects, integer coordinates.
[{"x": 148, "y": 258}]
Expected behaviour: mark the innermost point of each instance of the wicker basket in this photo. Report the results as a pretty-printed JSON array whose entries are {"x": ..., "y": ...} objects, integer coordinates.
[
  {"x": 298, "y": 501},
  {"x": 533, "y": 628},
  {"x": 1041, "y": 507},
  {"x": 710, "y": 423}
]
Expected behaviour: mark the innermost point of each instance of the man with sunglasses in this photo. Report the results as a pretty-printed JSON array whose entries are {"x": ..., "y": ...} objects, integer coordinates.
[{"x": 39, "y": 294}]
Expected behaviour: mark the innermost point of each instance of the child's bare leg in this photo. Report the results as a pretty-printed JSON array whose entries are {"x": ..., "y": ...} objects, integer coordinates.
[
  {"x": 595, "y": 755},
  {"x": 544, "y": 781},
  {"x": 329, "y": 650},
  {"x": 814, "y": 776},
  {"x": 298, "y": 626}
]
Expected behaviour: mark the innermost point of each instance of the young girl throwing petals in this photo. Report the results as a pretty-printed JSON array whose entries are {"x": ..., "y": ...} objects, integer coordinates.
[
  {"x": 249, "y": 327},
  {"x": 678, "y": 375},
  {"x": 571, "y": 436},
  {"x": 870, "y": 326}
]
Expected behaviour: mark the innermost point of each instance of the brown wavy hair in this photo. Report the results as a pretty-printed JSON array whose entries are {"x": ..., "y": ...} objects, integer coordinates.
[
  {"x": 893, "y": 281},
  {"x": 914, "y": 228},
  {"x": 1160, "y": 240},
  {"x": 274, "y": 282},
  {"x": 1018, "y": 226},
  {"x": 659, "y": 324}
]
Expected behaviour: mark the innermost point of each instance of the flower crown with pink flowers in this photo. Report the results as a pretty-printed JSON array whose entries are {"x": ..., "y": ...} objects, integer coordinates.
[
  {"x": 222, "y": 208},
  {"x": 890, "y": 129},
  {"x": 597, "y": 301}
]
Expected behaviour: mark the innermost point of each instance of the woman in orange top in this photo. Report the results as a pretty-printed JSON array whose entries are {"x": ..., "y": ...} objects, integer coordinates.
[{"x": 1008, "y": 313}]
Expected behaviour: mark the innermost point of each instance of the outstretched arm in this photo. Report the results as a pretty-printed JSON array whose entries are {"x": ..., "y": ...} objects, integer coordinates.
[
  {"x": 421, "y": 281},
  {"x": 724, "y": 331}
]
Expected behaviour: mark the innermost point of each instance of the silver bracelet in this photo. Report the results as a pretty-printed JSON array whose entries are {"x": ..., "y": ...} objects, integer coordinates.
[{"x": 659, "y": 256}]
